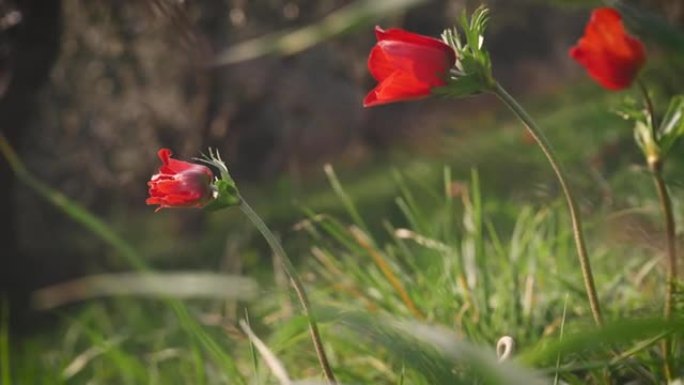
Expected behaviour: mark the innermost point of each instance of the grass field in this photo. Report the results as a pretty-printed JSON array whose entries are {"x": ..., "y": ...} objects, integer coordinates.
[{"x": 416, "y": 267}]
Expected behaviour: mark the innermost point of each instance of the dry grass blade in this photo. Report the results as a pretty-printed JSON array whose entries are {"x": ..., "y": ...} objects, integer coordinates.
[
  {"x": 269, "y": 358},
  {"x": 363, "y": 241},
  {"x": 82, "y": 360},
  {"x": 157, "y": 285},
  {"x": 292, "y": 42}
]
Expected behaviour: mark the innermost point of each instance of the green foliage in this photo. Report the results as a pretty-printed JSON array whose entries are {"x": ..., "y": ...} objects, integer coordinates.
[
  {"x": 619, "y": 332},
  {"x": 227, "y": 195},
  {"x": 472, "y": 254},
  {"x": 672, "y": 127},
  {"x": 418, "y": 294},
  {"x": 656, "y": 142},
  {"x": 225, "y": 190},
  {"x": 464, "y": 275},
  {"x": 473, "y": 72},
  {"x": 432, "y": 353}
]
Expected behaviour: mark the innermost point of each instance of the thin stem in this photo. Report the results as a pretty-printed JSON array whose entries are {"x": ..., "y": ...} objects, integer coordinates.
[
  {"x": 655, "y": 165},
  {"x": 649, "y": 104},
  {"x": 666, "y": 207},
  {"x": 297, "y": 284},
  {"x": 580, "y": 244}
]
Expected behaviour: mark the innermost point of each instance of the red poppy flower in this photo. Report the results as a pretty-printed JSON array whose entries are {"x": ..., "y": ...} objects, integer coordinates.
[
  {"x": 179, "y": 184},
  {"x": 407, "y": 66},
  {"x": 611, "y": 56}
]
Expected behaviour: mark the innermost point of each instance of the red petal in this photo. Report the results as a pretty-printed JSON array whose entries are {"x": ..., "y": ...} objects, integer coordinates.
[
  {"x": 407, "y": 66},
  {"x": 174, "y": 166},
  {"x": 379, "y": 64},
  {"x": 611, "y": 56},
  {"x": 398, "y": 34},
  {"x": 179, "y": 184},
  {"x": 399, "y": 86}
]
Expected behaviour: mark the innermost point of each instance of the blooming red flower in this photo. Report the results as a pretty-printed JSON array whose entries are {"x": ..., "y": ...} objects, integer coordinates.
[
  {"x": 611, "y": 56},
  {"x": 179, "y": 184},
  {"x": 407, "y": 66}
]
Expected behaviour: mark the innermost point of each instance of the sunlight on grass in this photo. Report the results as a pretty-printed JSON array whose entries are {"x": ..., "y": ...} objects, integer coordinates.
[{"x": 416, "y": 270}]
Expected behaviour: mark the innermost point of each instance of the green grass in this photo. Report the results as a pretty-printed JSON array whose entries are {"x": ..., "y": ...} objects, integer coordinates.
[{"x": 415, "y": 271}]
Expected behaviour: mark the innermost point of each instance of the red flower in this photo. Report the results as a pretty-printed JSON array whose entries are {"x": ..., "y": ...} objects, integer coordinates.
[
  {"x": 611, "y": 56},
  {"x": 407, "y": 66},
  {"x": 179, "y": 184}
]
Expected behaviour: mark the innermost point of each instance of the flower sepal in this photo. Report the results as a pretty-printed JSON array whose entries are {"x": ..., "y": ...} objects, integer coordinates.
[
  {"x": 460, "y": 86},
  {"x": 224, "y": 189},
  {"x": 472, "y": 74},
  {"x": 225, "y": 195},
  {"x": 656, "y": 143},
  {"x": 643, "y": 134}
]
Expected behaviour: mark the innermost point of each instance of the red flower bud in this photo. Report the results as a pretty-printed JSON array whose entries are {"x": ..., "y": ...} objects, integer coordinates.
[
  {"x": 407, "y": 66},
  {"x": 611, "y": 56},
  {"x": 179, "y": 184}
]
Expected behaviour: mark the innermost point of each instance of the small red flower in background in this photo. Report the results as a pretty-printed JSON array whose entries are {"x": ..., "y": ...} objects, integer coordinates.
[
  {"x": 179, "y": 184},
  {"x": 407, "y": 66},
  {"x": 611, "y": 56}
]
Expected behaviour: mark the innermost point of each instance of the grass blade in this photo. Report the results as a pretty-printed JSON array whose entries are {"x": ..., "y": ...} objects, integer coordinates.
[{"x": 157, "y": 285}]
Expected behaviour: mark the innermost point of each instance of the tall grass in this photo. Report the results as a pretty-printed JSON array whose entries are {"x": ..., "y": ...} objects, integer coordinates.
[
  {"x": 422, "y": 299},
  {"x": 450, "y": 264}
]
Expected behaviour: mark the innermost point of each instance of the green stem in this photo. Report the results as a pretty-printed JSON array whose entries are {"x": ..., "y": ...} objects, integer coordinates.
[
  {"x": 655, "y": 164},
  {"x": 649, "y": 104},
  {"x": 666, "y": 207},
  {"x": 297, "y": 284},
  {"x": 580, "y": 244}
]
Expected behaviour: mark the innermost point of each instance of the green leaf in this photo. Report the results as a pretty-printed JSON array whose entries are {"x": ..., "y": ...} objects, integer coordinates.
[
  {"x": 465, "y": 85},
  {"x": 643, "y": 135},
  {"x": 436, "y": 353},
  {"x": 630, "y": 109},
  {"x": 226, "y": 195},
  {"x": 672, "y": 126},
  {"x": 621, "y": 332}
]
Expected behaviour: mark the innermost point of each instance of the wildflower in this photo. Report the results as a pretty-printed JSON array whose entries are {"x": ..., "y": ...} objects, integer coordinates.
[
  {"x": 179, "y": 184},
  {"x": 611, "y": 56},
  {"x": 407, "y": 66}
]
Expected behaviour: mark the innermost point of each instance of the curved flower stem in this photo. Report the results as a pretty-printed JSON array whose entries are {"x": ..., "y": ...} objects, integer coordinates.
[
  {"x": 580, "y": 244},
  {"x": 666, "y": 207},
  {"x": 297, "y": 284},
  {"x": 655, "y": 164}
]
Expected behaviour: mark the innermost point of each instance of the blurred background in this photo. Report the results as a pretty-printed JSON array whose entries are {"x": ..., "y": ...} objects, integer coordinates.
[{"x": 92, "y": 89}]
